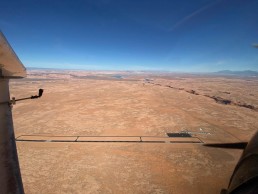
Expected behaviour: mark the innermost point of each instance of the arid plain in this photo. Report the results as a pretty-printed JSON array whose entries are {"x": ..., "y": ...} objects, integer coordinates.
[{"x": 130, "y": 106}]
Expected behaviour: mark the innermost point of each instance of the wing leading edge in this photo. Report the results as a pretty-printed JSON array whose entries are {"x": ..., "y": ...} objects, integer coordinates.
[{"x": 10, "y": 64}]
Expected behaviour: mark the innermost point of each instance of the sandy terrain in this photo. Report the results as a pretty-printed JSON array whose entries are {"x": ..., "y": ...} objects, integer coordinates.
[{"x": 77, "y": 104}]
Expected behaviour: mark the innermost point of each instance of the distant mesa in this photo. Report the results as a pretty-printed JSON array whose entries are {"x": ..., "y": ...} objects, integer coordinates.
[
  {"x": 44, "y": 69},
  {"x": 246, "y": 73}
]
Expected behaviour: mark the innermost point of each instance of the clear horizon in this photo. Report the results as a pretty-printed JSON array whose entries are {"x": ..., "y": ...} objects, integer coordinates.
[{"x": 132, "y": 70}]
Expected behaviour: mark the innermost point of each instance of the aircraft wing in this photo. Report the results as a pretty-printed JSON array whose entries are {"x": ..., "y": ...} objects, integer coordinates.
[{"x": 10, "y": 64}]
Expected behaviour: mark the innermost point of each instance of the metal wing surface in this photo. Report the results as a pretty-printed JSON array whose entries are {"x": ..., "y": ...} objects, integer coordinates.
[{"x": 10, "y": 64}]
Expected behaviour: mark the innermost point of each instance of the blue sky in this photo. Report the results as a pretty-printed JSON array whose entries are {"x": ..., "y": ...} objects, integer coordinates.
[{"x": 169, "y": 35}]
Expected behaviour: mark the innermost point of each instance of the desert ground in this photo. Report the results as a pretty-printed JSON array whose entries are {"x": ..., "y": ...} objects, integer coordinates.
[{"x": 106, "y": 132}]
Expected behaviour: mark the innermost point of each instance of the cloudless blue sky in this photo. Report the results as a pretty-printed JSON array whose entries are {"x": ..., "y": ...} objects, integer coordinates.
[{"x": 182, "y": 35}]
